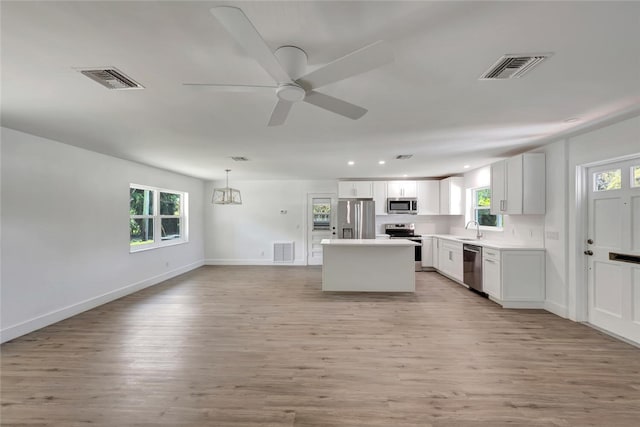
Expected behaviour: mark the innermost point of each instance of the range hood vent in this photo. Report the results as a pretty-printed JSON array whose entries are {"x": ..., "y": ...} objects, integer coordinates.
[
  {"x": 404, "y": 156},
  {"x": 514, "y": 66},
  {"x": 111, "y": 78}
]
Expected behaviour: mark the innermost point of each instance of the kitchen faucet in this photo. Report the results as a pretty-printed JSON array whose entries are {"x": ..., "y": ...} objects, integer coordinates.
[{"x": 478, "y": 233}]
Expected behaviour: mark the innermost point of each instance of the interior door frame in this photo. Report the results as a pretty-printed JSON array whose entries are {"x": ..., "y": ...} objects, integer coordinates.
[{"x": 582, "y": 230}]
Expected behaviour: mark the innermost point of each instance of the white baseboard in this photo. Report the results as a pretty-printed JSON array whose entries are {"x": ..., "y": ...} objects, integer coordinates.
[
  {"x": 251, "y": 262},
  {"x": 557, "y": 309},
  {"x": 523, "y": 304},
  {"x": 52, "y": 317}
]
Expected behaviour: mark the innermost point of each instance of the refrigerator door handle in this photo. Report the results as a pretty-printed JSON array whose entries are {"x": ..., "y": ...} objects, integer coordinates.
[{"x": 358, "y": 221}]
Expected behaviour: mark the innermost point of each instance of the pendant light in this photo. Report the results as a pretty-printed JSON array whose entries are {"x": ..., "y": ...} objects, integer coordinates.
[{"x": 226, "y": 195}]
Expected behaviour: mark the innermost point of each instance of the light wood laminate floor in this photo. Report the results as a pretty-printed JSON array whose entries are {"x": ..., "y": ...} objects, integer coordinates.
[{"x": 263, "y": 346}]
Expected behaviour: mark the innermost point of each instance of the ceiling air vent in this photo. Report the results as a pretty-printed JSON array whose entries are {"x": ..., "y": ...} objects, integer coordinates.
[
  {"x": 111, "y": 78},
  {"x": 404, "y": 156},
  {"x": 239, "y": 158},
  {"x": 514, "y": 66}
]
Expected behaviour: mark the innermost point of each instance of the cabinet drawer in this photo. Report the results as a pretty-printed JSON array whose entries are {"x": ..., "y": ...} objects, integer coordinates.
[{"x": 492, "y": 254}]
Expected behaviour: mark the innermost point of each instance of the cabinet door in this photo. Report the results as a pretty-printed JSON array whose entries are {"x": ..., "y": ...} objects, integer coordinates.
[
  {"x": 491, "y": 281},
  {"x": 427, "y": 251},
  {"x": 498, "y": 194},
  {"x": 451, "y": 200},
  {"x": 456, "y": 199},
  {"x": 346, "y": 189},
  {"x": 363, "y": 189},
  {"x": 402, "y": 189},
  {"x": 533, "y": 183},
  {"x": 380, "y": 197},
  {"x": 514, "y": 185},
  {"x": 428, "y": 197},
  {"x": 444, "y": 197},
  {"x": 436, "y": 255}
]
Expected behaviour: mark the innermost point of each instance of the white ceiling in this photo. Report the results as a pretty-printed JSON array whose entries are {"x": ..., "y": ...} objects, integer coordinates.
[{"x": 428, "y": 102}]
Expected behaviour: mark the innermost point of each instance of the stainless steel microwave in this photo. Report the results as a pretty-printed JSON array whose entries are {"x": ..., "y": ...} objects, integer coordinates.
[{"x": 402, "y": 205}]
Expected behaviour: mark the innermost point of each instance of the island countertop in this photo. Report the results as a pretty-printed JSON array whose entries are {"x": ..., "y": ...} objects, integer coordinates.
[{"x": 369, "y": 242}]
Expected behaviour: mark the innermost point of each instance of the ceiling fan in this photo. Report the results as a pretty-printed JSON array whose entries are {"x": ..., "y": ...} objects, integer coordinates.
[{"x": 288, "y": 64}]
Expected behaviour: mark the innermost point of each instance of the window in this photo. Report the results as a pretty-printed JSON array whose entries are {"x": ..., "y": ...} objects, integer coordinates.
[
  {"x": 481, "y": 208},
  {"x": 321, "y": 214},
  {"x": 157, "y": 217},
  {"x": 607, "y": 180},
  {"x": 635, "y": 176}
]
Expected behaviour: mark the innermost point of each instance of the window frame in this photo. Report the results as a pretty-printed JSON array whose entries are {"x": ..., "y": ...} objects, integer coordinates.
[
  {"x": 157, "y": 218},
  {"x": 472, "y": 215}
]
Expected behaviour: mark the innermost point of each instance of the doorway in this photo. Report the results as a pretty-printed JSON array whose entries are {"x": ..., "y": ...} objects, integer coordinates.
[
  {"x": 321, "y": 224},
  {"x": 612, "y": 248}
]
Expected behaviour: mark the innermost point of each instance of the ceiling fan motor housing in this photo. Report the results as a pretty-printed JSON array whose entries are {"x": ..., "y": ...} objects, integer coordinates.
[{"x": 293, "y": 60}]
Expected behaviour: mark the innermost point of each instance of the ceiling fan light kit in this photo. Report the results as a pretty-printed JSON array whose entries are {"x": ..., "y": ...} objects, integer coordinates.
[{"x": 287, "y": 66}]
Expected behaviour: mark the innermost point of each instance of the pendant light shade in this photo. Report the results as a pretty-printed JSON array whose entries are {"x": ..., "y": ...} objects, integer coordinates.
[{"x": 226, "y": 195}]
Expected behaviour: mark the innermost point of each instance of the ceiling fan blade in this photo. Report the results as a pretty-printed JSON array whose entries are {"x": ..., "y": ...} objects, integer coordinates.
[
  {"x": 230, "y": 88},
  {"x": 360, "y": 61},
  {"x": 335, "y": 105},
  {"x": 238, "y": 25},
  {"x": 280, "y": 113}
]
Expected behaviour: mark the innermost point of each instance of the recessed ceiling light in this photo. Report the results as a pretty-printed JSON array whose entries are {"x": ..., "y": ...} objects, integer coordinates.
[
  {"x": 572, "y": 120},
  {"x": 351, "y": 163},
  {"x": 405, "y": 175},
  {"x": 381, "y": 162},
  {"x": 466, "y": 166}
]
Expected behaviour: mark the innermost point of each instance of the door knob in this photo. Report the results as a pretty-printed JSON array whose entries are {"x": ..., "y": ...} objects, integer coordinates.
[
  {"x": 588, "y": 252},
  {"x": 590, "y": 241}
]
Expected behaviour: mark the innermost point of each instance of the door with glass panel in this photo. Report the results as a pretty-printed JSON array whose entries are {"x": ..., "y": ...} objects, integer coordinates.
[
  {"x": 613, "y": 248},
  {"x": 321, "y": 224}
]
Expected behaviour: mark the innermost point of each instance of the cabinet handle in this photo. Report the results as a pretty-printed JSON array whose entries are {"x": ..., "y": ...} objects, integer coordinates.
[
  {"x": 450, "y": 256},
  {"x": 490, "y": 260}
]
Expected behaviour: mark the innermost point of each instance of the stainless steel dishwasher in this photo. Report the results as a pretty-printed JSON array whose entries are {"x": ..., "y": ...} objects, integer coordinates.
[{"x": 472, "y": 266}]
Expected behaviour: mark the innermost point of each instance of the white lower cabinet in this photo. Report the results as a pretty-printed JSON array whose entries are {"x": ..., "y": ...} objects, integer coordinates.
[
  {"x": 491, "y": 281},
  {"x": 427, "y": 252},
  {"x": 450, "y": 259},
  {"x": 514, "y": 278},
  {"x": 435, "y": 245}
]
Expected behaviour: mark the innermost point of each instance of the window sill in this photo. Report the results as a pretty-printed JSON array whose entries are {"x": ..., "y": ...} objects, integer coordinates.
[
  {"x": 488, "y": 228},
  {"x": 133, "y": 250}
]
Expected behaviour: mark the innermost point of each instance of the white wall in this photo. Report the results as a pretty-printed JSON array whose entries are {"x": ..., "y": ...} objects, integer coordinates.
[
  {"x": 244, "y": 234},
  {"x": 618, "y": 140},
  {"x": 555, "y": 227},
  {"x": 65, "y": 237}
]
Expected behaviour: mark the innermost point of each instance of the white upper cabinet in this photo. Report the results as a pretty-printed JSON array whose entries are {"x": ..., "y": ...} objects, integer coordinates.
[
  {"x": 518, "y": 185},
  {"x": 380, "y": 197},
  {"x": 355, "y": 189},
  {"x": 428, "y": 197},
  {"x": 402, "y": 189},
  {"x": 451, "y": 200}
]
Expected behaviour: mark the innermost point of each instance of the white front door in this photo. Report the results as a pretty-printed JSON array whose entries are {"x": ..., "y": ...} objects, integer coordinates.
[
  {"x": 613, "y": 248},
  {"x": 321, "y": 224}
]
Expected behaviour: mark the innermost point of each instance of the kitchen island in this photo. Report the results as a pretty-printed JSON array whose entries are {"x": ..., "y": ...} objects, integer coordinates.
[{"x": 368, "y": 265}]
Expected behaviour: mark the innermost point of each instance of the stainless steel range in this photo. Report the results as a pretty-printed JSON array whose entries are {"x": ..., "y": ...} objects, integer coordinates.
[{"x": 406, "y": 231}]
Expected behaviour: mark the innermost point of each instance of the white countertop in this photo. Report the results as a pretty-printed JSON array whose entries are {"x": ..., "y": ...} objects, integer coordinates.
[
  {"x": 369, "y": 242},
  {"x": 494, "y": 244}
]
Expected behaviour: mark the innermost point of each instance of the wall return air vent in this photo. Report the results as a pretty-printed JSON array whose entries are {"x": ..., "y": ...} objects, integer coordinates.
[
  {"x": 111, "y": 78},
  {"x": 513, "y": 66}
]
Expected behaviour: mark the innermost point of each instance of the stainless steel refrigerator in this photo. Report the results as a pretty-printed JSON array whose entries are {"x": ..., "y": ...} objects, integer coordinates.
[{"x": 356, "y": 219}]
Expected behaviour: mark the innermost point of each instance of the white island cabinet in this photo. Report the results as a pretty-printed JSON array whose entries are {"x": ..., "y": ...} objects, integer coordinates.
[{"x": 368, "y": 265}]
